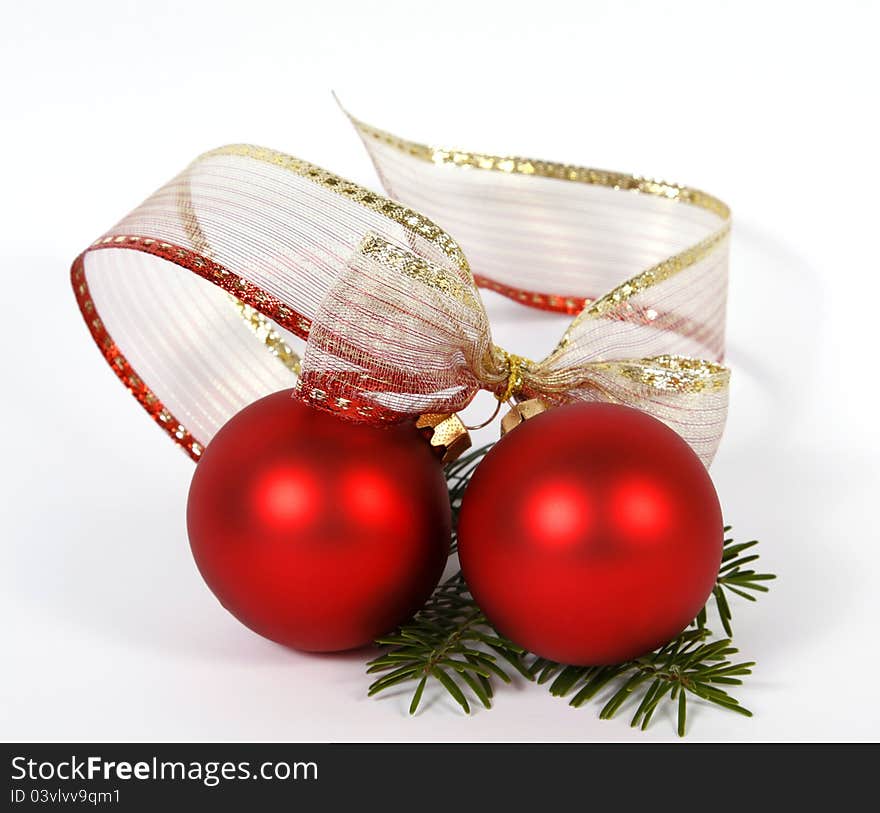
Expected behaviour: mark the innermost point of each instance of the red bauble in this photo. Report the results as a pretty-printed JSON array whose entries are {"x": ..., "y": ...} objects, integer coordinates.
[
  {"x": 590, "y": 534},
  {"x": 318, "y": 533}
]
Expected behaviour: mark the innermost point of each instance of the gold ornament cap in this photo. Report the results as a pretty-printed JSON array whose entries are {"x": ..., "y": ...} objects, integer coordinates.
[
  {"x": 448, "y": 436},
  {"x": 521, "y": 413}
]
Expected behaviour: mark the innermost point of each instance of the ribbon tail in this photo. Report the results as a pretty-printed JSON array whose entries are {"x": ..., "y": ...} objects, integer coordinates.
[{"x": 689, "y": 395}]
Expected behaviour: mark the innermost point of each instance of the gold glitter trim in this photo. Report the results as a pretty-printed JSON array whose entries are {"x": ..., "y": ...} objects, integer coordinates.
[
  {"x": 673, "y": 373},
  {"x": 515, "y": 366},
  {"x": 408, "y": 218},
  {"x": 265, "y": 332},
  {"x": 417, "y": 268},
  {"x": 548, "y": 169}
]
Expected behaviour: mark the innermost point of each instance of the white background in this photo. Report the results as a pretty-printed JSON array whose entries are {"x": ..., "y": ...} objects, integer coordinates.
[{"x": 108, "y": 631}]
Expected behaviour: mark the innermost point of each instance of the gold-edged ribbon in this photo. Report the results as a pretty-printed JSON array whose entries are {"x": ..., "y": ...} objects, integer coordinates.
[{"x": 276, "y": 251}]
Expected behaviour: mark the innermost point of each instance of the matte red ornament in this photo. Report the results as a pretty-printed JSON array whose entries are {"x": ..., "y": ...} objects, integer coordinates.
[
  {"x": 316, "y": 532},
  {"x": 590, "y": 534}
]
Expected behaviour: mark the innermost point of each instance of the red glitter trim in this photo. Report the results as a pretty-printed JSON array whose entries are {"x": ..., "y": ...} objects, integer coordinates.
[
  {"x": 209, "y": 270},
  {"x": 546, "y": 302}
]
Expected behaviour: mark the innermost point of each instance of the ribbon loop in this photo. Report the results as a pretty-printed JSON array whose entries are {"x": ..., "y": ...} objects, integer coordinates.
[{"x": 215, "y": 286}]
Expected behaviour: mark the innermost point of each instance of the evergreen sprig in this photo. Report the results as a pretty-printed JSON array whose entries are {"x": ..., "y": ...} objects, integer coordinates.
[
  {"x": 733, "y": 577},
  {"x": 691, "y": 663},
  {"x": 450, "y": 640}
]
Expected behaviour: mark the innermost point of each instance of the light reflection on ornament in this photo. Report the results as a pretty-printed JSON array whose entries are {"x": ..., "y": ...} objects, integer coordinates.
[
  {"x": 641, "y": 509},
  {"x": 558, "y": 513},
  {"x": 287, "y": 496},
  {"x": 368, "y": 496}
]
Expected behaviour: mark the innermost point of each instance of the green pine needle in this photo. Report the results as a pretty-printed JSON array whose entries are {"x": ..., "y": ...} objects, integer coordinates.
[
  {"x": 451, "y": 642},
  {"x": 692, "y": 663}
]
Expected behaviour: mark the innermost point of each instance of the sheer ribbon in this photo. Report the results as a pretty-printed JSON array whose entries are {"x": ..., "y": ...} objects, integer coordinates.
[{"x": 198, "y": 297}]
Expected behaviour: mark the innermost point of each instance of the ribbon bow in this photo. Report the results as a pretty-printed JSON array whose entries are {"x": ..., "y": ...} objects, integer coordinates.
[{"x": 249, "y": 250}]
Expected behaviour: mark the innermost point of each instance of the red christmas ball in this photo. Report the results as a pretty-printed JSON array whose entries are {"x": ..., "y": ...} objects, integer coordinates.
[
  {"x": 318, "y": 533},
  {"x": 590, "y": 534}
]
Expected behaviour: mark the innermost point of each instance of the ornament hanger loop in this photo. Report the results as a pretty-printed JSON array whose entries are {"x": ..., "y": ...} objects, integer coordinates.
[
  {"x": 512, "y": 386},
  {"x": 488, "y": 420}
]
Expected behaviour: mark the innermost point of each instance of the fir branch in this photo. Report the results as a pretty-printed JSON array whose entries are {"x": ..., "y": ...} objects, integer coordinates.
[
  {"x": 692, "y": 664},
  {"x": 733, "y": 577},
  {"x": 451, "y": 641}
]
